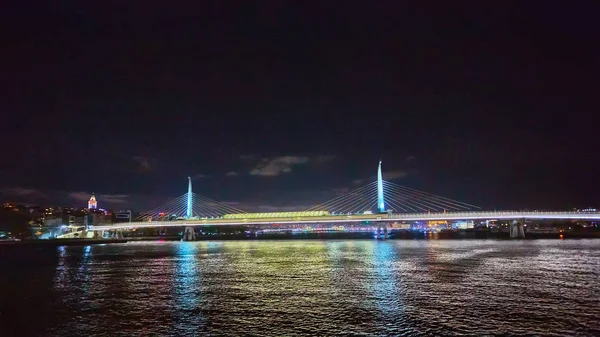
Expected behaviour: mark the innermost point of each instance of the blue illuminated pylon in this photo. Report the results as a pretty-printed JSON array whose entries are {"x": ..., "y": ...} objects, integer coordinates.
[
  {"x": 380, "y": 201},
  {"x": 189, "y": 199}
]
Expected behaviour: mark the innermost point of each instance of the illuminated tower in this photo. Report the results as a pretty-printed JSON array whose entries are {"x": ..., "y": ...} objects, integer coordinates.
[
  {"x": 189, "y": 199},
  {"x": 380, "y": 202},
  {"x": 92, "y": 204}
]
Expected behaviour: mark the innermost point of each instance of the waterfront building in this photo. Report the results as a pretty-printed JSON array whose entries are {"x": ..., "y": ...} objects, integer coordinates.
[{"x": 92, "y": 204}]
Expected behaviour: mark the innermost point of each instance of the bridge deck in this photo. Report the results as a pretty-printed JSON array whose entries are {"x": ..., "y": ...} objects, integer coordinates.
[{"x": 496, "y": 215}]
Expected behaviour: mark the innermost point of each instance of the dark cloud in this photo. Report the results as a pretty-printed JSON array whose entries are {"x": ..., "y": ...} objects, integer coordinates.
[
  {"x": 80, "y": 196},
  {"x": 231, "y": 174},
  {"x": 340, "y": 191},
  {"x": 114, "y": 198},
  {"x": 110, "y": 199},
  {"x": 394, "y": 175},
  {"x": 231, "y": 203},
  {"x": 275, "y": 166},
  {"x": 21, "y": 192},
  {"x": 144, "y": 163}
]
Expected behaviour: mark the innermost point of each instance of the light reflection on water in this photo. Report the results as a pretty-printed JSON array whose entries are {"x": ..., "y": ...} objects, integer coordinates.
[
  {"x": 310, "y": 287},
  {"x": 187, "y": 287}
]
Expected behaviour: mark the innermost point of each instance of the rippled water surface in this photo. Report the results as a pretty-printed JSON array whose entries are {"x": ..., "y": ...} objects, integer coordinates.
[{"x": 310, "y": 287}]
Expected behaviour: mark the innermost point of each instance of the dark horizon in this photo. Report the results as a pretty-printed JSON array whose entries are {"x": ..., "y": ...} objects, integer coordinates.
[{"x": 274, "y": 104}]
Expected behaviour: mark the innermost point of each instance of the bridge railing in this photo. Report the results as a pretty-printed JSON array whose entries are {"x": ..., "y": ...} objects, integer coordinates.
[{"x": 489, "y": 213}]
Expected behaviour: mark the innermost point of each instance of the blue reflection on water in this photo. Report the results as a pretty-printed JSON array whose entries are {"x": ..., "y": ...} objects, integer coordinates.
[
  {"x": 187, "y": 288},
  {"x": 385, "y": 290},
  {"x": 87, "y": 251},
  {"x": 62, "y": 267},
  {"x": 62, "y": 251},
  {"x": 84, "y": 273}
]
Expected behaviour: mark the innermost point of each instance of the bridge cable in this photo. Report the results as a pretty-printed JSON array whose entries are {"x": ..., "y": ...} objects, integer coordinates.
[
  {"x": 343, "y": 199},
  {"x": 433, "y": 195},
  {"x": 430, "y": 200},
  {"x": 350, "y": 204},
  {"x": 426, "y": 203}
]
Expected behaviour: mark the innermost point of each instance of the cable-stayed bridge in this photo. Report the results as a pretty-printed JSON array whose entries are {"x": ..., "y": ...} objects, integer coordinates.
[{"x": 380, "y": 202}]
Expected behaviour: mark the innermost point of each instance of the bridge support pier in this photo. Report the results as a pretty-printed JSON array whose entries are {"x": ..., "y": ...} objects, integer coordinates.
[
  {"x": 517, "y": 229},
  {"x": 253, "y": 232},
  {"x": 119, "y": 234},
  {"x": 189, "y": 234},
  {"x": 382, "y": 230},
  {"x": 114, "y": 234}
]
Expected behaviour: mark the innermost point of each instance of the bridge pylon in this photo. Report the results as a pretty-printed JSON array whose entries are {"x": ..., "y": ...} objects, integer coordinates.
[
  {"x": 188, "y": 213},
  {"x": 380, "y": 201}
]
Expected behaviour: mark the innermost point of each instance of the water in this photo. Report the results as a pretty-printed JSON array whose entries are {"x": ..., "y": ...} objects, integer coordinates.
[{"x": 309, "y": 287}]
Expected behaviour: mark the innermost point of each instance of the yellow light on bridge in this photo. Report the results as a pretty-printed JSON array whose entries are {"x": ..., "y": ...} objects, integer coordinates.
[{"x": 275, "y": 215}]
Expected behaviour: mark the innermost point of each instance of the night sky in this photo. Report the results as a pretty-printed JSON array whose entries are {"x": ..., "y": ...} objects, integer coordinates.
[{"x": 285, "y": 103}]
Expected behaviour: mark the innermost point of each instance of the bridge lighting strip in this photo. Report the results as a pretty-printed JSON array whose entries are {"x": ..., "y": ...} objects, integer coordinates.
[{"x": 540, "y": 216}]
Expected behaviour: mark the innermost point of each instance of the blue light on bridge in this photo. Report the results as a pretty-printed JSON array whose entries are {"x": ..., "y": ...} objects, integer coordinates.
[
  {"x": 189, "y": 199},
  {"x": 380, "y": 202}
]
